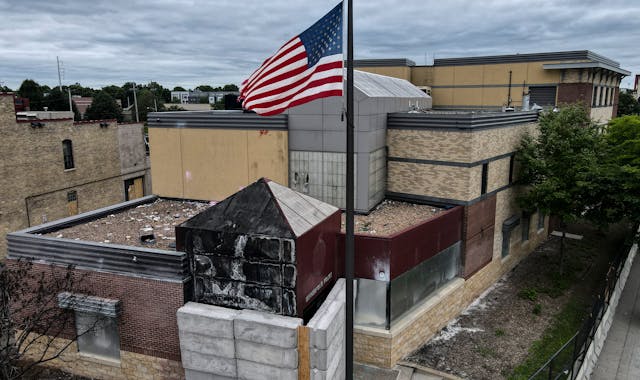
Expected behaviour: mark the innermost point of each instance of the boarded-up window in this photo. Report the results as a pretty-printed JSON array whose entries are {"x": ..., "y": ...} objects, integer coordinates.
[
  {"x": 72, "y": 202},
  {"x": 543, "y": 95}
]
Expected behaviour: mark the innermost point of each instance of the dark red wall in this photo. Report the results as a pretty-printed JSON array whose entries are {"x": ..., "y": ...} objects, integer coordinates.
[
  {"x": 400, "y": 252},
  {"x": 318, "y": 260},
  {"x": 478, "y": 229},
  {"x": 575, "y": 92}
]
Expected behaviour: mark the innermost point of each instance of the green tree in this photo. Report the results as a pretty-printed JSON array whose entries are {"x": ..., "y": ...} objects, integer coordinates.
[
  {"x": 558, "y": 165},
  {"x": 230, "y": 87},
  {"x": 147, "y": 102},
  {"x": 178, "y": 88},
  {"x": 618, "y": 191},
  {"x": 103, "y": 107},
  {"x": 78, "y": 89},
  {"x": 205, "y": 88},
  {"x": 116, "y": 92},
  {"x": 628, "y": 105},
  {"x": 31, "y": 89},
  {"x": 5, "y": 89},
  {"x": 57, "y": 100}
]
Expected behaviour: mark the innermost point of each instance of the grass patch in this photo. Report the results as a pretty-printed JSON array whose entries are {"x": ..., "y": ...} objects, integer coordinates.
[
  {"x": 486, "y": 352},
  {"x": 499, "y": 332},
  {"x": 530, "y": 294},
  {"x": 564, "y": 326},
  {"x": 537, "y": 309}
]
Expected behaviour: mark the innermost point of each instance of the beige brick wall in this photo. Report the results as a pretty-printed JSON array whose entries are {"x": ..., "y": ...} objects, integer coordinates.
[
  {"x": 33, "y": 175},
  {"x": 431, "y": 180},
  {"x": 130, "y": 366},
  {"x": 497, "y": 141},
  {"x": 498, "y": 174},
  {"x": 451, "y": 182},
  {"x": 430, "y": 145}
]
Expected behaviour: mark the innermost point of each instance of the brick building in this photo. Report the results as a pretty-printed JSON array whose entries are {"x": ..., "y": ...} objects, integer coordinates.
[
  {"x": 53, "y": 168},
  {"x": 515, "y": 80},
  {"x": 410, "y": 282}
]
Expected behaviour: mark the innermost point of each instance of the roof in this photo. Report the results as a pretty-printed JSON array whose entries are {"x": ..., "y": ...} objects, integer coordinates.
[
  {"x": 577, "y": 55},
  {"x": 585, "y": 65},
  {"x": 264, "y": 208},
  {"x": 381, "y": 86},
  {"x": 384, "y": 62}
]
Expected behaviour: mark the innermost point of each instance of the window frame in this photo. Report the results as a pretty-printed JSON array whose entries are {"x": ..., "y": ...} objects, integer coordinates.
[{"x": 67, "y": 154}]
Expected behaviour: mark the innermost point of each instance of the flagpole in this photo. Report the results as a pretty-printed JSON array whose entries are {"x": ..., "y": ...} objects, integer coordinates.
[{"x": 349, "y": 244}]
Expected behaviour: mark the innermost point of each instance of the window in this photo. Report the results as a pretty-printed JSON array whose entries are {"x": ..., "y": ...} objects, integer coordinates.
[
  {"x": 512, "y": 162},
  {"x": 526, "y": 222},
  {"x": 72, "y": 202},
  {"x": 507, "y": 226},
  {"x": 97, "y": 335},
  {"x": 96, "y": 323},
  {"x": 485, "y": 176},
  {"x": 67, "y": 153},
  {"x": 606, "y": 97}
]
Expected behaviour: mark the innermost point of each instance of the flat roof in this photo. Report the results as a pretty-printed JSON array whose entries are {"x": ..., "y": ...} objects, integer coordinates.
[
  {"x": 391, "y": 217},
  {"x": 458, "y": 120},
  {"x": 127, "y": 226},
  {"x": 575, "y": 55},
  {"x": 585, "y": 65}
]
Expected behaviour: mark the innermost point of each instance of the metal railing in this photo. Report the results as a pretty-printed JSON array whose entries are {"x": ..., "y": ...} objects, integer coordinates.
[{"x": 566, "y": 362}]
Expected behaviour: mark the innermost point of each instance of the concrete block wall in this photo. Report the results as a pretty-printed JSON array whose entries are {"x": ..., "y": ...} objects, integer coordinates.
[
  {"x": 326, "y": 336},
  {"x": 221, "y": 343}
]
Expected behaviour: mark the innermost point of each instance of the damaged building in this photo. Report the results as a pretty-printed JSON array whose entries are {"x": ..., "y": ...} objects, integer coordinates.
[
  {"x": 439, "y": 225},
  {"x": 54, "y": 167}
]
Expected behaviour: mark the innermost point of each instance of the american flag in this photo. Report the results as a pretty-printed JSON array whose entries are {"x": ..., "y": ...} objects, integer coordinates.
[{"x": 307, "y": 67}]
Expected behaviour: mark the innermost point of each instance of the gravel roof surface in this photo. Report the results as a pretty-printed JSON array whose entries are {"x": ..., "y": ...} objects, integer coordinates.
[
  {"x": 158, "y": 218},
  {"x": 390, "y": 217}
]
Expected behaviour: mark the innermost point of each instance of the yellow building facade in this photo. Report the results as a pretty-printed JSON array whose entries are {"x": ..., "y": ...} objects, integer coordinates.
[{"x": 514, "y": 81}]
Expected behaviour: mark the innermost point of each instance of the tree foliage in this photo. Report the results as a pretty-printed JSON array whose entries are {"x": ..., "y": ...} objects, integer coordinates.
[
  {"x": 31, "y": 89},
  {"x": 628, "y": 105},
  {"x": 230, "y": 87},
  {"x": 178, "y": 88},
  {"x": 103, "y": 107},
  {"x": 617, "y": 194},
  {"x": 57, "y": 100},
  {"x": 557, "y": 165}
]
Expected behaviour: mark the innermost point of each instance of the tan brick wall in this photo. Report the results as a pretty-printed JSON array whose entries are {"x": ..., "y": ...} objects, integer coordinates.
[
  {"x": 33, "y": 174},
  {"x": 498, "y": 174},
  {"x": 130, "y": 366},
  {"x": 430, "y": 145},
  {"x": 451, "y": 182},
  {"x": 52, "y": 206},
  {"x": 497, "y": 141},
  {"x": 431, "y": 180}
]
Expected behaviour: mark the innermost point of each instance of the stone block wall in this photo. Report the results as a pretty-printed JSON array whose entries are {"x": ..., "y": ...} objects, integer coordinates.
[
  {"x": 222, "y": 343},
  {"x": 327, "y": 336}
]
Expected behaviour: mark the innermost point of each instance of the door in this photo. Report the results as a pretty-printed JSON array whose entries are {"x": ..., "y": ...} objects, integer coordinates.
[{"x": 134, "y": 188}]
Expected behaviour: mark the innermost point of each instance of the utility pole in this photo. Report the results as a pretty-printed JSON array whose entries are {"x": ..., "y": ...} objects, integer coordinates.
[
  {"x": 70, "y": 105},
  {"x": 135, "y": 102},
  {"x": 59, "y": 77}
]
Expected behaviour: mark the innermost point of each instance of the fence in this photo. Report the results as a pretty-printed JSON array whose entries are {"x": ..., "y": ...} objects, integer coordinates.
[{"x": 567, "y": 361}]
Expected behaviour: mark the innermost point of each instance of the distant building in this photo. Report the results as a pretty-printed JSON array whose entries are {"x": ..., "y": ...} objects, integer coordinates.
[
  {"x": 54, "y": 168},
  {"x": 196, "y": 96},
  {"x": 82, "y": 103},
  {"x": 513, "y": 81}
]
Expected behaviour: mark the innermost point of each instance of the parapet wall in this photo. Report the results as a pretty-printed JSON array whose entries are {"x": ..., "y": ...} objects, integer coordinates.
[{"x": 224, "y": 343}]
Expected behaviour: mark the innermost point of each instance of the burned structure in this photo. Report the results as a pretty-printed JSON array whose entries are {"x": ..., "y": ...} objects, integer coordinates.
[{"x": 266, "y": 248}]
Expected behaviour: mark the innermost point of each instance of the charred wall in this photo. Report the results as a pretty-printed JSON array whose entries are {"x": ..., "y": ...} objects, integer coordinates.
[{"x": 241, "y": 270}]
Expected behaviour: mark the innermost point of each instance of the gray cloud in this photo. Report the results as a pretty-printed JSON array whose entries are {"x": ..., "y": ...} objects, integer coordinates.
[{"x": 216, "y": 42}]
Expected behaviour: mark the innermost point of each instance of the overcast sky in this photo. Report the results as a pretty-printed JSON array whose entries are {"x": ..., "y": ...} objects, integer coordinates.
[{"x": 187, "y": 43}]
